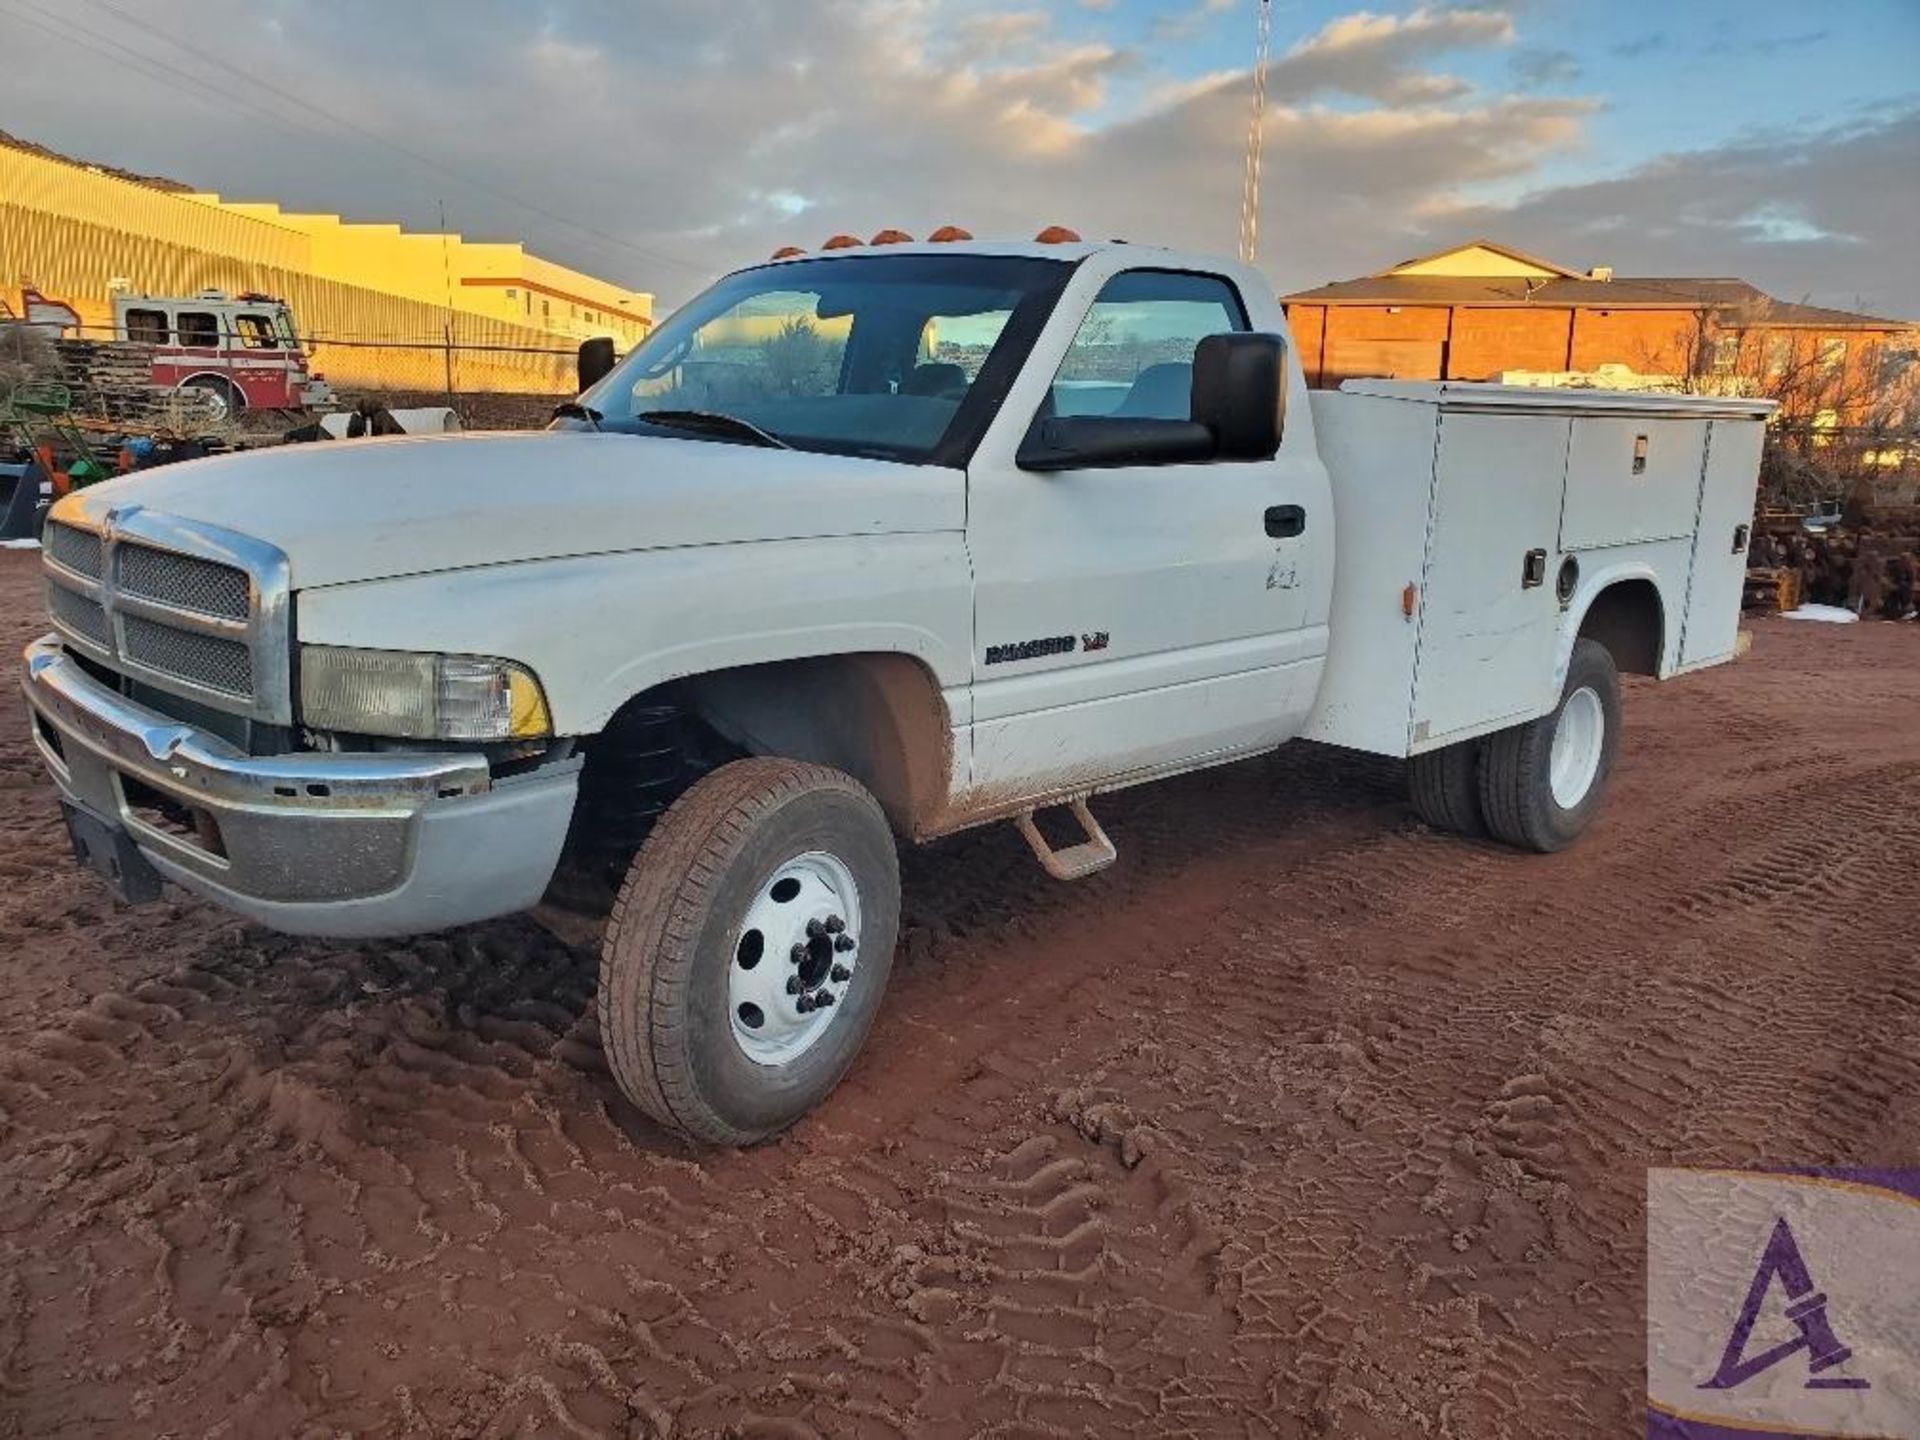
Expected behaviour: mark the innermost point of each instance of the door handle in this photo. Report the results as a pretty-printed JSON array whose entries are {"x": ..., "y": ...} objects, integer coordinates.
[
  {"x": 1286, "y": 521},
  {"x": 1740, "y": 535},
  {"x": 1533, "y": 569}
]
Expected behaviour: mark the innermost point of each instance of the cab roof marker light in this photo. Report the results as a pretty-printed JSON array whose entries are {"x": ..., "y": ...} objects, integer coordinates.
[
  {"x": 948, "y": 234},
  {"x": 841, "y": 242},
  {"x": 1057, "y": 235},
  {"x": 891, "y": 237},
  {"x": 787, "y": 252}
]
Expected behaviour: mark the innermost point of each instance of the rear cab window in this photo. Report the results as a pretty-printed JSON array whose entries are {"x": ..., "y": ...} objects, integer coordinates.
[
  {"x": 148, "y": 327},
  {"x": 200, "y": 329}
]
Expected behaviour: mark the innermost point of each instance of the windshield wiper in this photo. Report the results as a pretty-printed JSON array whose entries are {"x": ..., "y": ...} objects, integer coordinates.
[
  {"x": 714, "y": 423},
  {"x": 574, "y": 410}
]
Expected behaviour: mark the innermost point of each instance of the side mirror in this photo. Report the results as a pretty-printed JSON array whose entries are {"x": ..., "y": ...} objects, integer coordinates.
[
  {"x": 596, "y": 361},
  {"x": 1240, "y": 394},
  {"x": 1076, "y": 442}
]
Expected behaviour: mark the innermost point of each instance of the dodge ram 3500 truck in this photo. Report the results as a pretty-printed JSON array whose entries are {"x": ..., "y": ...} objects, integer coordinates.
[{"x": 859, "y": 547}]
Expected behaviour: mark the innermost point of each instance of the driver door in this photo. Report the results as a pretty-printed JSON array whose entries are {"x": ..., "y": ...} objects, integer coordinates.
[{"x": 1132, "y": 619}]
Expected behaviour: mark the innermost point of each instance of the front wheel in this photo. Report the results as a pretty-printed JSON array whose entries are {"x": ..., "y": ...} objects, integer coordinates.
[
  {"x": 748, "y": 951},
  {"x": 1542, "y": 783}
]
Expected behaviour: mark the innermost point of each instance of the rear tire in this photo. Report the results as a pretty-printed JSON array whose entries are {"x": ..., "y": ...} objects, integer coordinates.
[
  {"x": 710, "y": 984},
  {"x": 1444, "y": 786},
  {"x": 1542, "y": 783}
]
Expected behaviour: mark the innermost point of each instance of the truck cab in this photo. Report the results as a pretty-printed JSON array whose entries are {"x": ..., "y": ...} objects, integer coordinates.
[
  {"x": 857, "y": 548},
  {"x": 240, "y": 352}
]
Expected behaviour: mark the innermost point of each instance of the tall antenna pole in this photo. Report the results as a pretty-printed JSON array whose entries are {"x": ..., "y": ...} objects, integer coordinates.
[{"x": 1256, "y": 141}]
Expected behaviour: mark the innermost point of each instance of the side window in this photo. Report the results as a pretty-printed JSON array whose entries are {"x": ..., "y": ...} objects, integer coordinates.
[
  {"x": 256, "y": 332},
  {"x": 149, "y": 327},
  {"x": 199, "y": 328},
  {"x": 1133, "y": 355}
]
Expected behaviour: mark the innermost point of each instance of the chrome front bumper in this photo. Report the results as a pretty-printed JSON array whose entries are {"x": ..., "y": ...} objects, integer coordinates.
[{"x": 387, "y": 843}]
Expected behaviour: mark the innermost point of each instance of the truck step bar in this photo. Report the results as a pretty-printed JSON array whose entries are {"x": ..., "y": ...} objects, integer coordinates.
[{"x": 1076, "y": 862}]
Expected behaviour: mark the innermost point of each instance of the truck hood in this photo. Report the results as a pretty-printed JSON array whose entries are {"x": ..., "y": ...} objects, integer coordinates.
[{"x": 355, "y": 510}]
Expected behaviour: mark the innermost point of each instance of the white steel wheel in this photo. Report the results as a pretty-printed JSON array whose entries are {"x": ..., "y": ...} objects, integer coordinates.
[
  {"x": 1542, "y": 783},
  {"x": 1579, "y": 740},
  {"x": 799, "y": 945},
  {"x": 745, "y": 959}
]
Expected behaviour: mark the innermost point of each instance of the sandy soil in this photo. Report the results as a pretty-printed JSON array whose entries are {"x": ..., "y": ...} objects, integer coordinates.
[{"x": 1301, "y": 1120}]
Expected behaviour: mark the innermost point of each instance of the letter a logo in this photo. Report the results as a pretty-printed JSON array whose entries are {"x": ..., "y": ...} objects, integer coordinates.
[{"x": 1806, "y": 1308}]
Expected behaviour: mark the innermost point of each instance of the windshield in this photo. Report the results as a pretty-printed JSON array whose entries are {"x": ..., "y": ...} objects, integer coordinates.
[{"x": 878, "y": 355}]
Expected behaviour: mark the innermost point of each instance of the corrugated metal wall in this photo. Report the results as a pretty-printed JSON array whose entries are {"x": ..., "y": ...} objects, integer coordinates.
[{"x": 71, "y": 232}]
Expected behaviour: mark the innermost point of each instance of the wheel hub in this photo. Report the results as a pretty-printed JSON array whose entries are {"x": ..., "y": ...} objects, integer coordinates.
[
  {"x": 795, "y": 956},
  {"x": 1579, "y": 739}
]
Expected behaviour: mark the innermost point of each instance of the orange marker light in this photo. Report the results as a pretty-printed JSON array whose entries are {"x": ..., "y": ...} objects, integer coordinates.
[
  {"x": 841, "y": 242},
  {"x": 787, "y": 252},
  {"x": 1407, "y": 598},
  {"x": 947, "y": 234},
  {"x": 1057, "y": 235},
  {"x": 891, "y": 237}
]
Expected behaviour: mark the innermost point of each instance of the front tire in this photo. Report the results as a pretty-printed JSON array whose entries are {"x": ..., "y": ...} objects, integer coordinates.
[
  {"x": 1542, "y": 783},
  {"x": 747, "y": 953}
]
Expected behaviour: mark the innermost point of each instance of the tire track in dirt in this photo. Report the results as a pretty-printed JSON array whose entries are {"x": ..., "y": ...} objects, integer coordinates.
[{"x": 1300, "y": 1120}]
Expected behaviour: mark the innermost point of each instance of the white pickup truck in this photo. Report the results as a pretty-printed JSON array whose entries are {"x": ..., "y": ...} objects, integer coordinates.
[{"x": 859, "y": 547}]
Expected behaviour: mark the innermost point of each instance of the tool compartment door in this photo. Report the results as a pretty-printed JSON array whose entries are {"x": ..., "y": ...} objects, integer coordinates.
[
  {"x": 1631, "y": 478},
  {"x": 1487, "y": 626},
  {"x": 1719, "y": 570}
]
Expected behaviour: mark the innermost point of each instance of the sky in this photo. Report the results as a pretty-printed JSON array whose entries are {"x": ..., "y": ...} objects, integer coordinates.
[{"x": 658, "y": 143}]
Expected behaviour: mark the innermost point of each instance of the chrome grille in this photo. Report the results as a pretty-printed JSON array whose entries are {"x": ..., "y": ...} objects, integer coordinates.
[
  {"x": 183, "y": 582},
  {"x": 79, "y": 614},
  {"x": 79, "y": 550},
  {"x": 209, "y": 660},
  {"x": 178, "y": 605}
]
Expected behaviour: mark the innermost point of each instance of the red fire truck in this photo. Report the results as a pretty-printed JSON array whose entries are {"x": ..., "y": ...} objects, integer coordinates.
[{"x": 241, "y": 350}]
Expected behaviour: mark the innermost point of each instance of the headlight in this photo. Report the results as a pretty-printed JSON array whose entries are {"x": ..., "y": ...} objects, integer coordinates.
[{"x": 419, "y": 697}]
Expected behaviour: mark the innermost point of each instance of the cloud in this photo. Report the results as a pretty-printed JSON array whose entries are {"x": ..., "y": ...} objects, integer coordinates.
[
  {"x": 1825, "y": 215},
  {"x": 660, "y": 155},
  {"x": 1381, "y": 57},
  {"x": 1539, "y": 68}
]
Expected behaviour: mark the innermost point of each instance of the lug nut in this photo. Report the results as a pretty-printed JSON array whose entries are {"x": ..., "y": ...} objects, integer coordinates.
[
  {"x": 794, "y": 987},
  {"x": 841, "y": 975},
  {"x": 804, "y": 1004},
  {"x": 823, "y": 999},
  {"x": 798, "y": 954},
  {"x": 843, "y": 943},
  {"x": 815, "y": 928},
  {"x": 835, "y": 924}
]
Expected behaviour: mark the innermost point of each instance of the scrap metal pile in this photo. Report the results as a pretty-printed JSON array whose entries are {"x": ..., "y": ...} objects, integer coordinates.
[{"x": 1866, "y": 563}]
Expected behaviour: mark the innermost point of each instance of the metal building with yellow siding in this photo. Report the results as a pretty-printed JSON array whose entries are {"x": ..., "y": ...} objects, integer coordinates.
[{"x": 379, "y": 307}]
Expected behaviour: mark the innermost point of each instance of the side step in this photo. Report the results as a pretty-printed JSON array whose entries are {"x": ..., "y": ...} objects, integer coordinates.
[{"x": 1076, "y": 862}]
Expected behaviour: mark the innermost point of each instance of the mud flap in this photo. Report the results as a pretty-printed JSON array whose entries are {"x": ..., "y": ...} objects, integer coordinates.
[{"x": 109, "y": 852}]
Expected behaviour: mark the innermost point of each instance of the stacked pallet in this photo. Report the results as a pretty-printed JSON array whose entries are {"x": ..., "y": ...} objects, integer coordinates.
[{"x": 111, "y": 382}]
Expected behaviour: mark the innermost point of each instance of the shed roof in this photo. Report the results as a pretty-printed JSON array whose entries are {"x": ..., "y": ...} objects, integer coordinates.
[{"x": 1621, "y": 293}]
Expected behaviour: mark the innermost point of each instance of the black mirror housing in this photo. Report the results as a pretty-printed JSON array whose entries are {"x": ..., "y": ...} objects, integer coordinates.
[
  {"x": 1240, "y": 394},
  {"x": 595, "y": 362},
  {"x": 1076, "y": 442}
]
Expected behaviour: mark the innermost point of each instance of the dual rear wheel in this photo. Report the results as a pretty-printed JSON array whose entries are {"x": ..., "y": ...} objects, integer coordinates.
[{"x": 1536, "y": 785}]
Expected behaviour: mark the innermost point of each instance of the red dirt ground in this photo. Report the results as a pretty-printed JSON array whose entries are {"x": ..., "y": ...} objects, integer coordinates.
[{"x": 1301, "y": 1120}]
